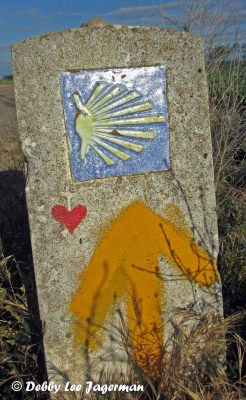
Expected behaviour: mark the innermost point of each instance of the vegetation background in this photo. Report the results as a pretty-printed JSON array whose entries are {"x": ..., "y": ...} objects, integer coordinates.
[{"x": 21, "y": 352}]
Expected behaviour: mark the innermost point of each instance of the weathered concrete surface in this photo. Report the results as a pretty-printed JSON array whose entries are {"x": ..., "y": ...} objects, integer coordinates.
[
  {"x": 11, "y": 156},
  {"x": 59, "y": 256}
]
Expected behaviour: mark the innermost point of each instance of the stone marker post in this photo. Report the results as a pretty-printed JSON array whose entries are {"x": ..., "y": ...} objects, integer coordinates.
[{"x": 114, "y": 123}]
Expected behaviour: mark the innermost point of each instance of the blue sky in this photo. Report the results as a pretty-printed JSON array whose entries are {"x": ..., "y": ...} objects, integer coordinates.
[{"x": 22, "y": 19}]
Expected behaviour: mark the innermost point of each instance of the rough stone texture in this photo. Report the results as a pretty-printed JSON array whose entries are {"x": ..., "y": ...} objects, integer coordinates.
[{"x": 59, "y": 256}]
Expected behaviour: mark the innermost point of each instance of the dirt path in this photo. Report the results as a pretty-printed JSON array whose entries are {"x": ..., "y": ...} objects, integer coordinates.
[{"x": 10, "y": 151}]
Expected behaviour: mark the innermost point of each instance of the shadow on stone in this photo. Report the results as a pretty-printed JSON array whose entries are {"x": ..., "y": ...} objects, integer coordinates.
[{"x": 16, "y": 244}]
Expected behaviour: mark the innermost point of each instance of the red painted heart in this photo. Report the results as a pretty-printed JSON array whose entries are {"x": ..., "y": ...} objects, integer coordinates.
[{"x": 71, "y": 219}]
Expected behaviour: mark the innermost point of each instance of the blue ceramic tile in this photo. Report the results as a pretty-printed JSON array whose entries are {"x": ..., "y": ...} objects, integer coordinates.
[{"x": 116, "y": 121}]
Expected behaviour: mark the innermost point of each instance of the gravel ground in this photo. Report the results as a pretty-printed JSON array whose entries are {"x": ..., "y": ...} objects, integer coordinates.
[{"x": 11, "y": 156}]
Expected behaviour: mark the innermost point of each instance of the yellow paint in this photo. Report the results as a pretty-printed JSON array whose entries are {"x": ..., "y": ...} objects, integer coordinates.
[{"x": 125, "y": 265}]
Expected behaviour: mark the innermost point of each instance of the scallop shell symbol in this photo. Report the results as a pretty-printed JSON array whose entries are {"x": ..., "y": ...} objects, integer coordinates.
[{"x": 106, "y": 121}]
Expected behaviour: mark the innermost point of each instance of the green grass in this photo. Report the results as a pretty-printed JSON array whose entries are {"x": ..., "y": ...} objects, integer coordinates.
[{"x": 6, "y": 80}]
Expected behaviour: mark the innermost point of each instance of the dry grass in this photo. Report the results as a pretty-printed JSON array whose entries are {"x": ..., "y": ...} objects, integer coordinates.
[
  {"x": 227, "y": 88},
  {"x": 18, "y": 345},
  {"x": 192, "y": 363},
  {"x": 189, "y": 365}
]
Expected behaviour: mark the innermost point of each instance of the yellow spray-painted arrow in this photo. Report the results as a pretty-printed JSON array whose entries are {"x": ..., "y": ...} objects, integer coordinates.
[{"x": 125, "y": 265}]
